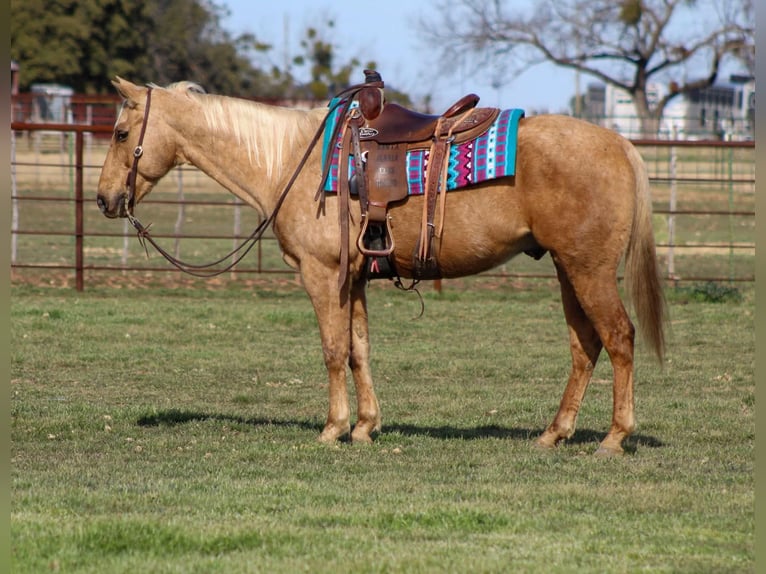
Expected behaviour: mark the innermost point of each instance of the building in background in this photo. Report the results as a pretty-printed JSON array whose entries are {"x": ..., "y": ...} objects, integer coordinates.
[
  {"x": 724, "y": 111},
  {"x": 51, "y": 103}
]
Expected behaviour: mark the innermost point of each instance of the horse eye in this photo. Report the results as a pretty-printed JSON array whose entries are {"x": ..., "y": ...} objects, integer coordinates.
[{"x": 121, "y": 135}]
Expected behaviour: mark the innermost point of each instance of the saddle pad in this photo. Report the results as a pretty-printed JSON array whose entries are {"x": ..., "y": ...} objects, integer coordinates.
[{"x": 489, "y": 156}]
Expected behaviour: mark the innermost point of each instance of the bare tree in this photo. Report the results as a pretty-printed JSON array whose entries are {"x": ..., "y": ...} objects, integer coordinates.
[{"x": 625, "y": 43}]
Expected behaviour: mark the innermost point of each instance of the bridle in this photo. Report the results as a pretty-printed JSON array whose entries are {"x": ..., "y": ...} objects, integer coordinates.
[
  {"x": 142, "y": 231},
  {"x": 239, "y": 252},
  {"x": 138, "y": 151}
]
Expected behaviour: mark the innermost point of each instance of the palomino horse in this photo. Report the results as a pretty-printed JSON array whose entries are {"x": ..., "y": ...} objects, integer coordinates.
[{"x": 580, "y": 192}]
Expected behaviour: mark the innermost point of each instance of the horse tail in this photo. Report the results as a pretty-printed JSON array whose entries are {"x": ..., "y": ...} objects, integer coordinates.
[{"x": 642, "y": 276}]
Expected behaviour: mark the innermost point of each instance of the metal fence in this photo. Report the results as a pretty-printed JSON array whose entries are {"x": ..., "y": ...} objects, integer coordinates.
[{"x": 703, "y": 195}]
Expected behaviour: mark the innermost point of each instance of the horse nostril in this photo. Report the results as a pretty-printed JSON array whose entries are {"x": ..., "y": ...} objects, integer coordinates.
[{"x": 101, "y": 204}]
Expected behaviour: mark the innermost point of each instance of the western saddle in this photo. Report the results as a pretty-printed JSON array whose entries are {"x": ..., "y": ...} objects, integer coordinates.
[{"x": 378, "y": 135}]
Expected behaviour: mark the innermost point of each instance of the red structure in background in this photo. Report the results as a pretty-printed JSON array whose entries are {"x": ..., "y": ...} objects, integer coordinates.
[
  {"x": 78, "y": 109},
  {"x": 14, "y": 77},
  {"x": 89, "y": 110}
]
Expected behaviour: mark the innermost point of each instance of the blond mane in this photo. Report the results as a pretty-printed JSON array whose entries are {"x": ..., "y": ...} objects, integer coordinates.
[{"x": 264, "y": 131}]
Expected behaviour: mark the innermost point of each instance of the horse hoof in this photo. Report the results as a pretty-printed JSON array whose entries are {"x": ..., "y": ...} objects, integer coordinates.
[
  {"x": 331, "y": 434},
  {"x": 547, "y": 444},
  {"x": 324, "y": 439},
  {"x": 361, "y": 436},
  {"x": 542, "y": 447}
]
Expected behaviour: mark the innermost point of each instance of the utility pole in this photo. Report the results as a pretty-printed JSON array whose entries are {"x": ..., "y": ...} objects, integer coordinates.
[
  {"x": 286, "y": 39},
  {"x": 578, "y": 103}
]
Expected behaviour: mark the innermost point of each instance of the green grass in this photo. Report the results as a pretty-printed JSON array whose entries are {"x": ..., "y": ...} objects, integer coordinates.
[{"x": 164, "y": 429}]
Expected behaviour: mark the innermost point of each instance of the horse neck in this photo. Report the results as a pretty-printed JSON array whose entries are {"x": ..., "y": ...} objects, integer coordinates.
[{"x": 250, "y": 149}]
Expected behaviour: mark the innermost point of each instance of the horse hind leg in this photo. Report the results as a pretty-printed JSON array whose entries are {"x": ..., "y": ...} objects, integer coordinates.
[
  {"x": 585, "y": 346},
  {"x": 597, "y": 294},
  {"x": 616, "y": 330}
]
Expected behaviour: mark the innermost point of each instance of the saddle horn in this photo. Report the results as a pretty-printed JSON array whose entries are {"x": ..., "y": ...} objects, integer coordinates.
[{"x": 371, "y": 99}]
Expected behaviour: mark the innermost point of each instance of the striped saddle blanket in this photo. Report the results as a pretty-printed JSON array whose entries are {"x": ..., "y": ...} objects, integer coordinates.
[{"x": 490, "y": 155}]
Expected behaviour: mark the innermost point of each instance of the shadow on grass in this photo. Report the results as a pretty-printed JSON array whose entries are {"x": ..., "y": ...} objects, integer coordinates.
[
  {"x": 175, "y": 417},
  {"x": 584, "y": 436}
]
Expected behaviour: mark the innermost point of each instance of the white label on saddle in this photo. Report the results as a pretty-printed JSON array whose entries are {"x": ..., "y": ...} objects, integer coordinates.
[{"x": 367, "y": 132}]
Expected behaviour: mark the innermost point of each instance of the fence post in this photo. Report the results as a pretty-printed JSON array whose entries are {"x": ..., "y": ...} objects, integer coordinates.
[
  {"x": 731, "y": 208},
  {"x": 78, "y": 207},
  {"x": 181, "y": 214},
  {"x": 237, "y": 231},
  {"x": 672, "y": 210},
  {"x": 15, "y": 201}
]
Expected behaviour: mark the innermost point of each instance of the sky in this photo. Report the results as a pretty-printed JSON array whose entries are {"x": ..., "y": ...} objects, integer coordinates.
[{"x": 387, "y": 33}]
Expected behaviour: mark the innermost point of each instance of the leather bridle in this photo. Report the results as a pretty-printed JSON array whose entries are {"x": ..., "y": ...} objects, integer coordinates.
[
  {"x": 205, "y": 270},
  {"x": 138, "y": 151}
]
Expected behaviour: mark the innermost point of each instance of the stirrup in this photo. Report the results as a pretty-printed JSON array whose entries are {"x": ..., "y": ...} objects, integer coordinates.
[{"x": 375, "y": 252}]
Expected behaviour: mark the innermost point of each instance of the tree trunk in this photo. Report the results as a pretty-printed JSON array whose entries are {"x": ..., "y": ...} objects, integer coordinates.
[
  {"x": 650, "y": 126},
  {"x": 649, "y": 118}
]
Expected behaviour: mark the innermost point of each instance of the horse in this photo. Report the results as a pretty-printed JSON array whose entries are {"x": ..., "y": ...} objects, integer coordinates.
[{"x": 580, "y": 193}]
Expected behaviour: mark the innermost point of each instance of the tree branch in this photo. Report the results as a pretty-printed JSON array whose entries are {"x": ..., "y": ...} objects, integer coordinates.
[{"x": 596, "y": 37}]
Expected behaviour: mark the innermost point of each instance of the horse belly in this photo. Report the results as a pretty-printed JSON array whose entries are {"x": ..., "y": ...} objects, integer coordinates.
[{"x": 483, "y": 228}]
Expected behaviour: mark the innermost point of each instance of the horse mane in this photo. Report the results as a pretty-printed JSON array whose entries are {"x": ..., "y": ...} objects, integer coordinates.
[
  {"x": 265, "y": 131},
  {"x": 184, "y": 86}
]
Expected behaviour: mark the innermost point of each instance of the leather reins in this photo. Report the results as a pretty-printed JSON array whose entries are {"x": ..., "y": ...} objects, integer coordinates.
[{"x": 204, "y": 270}]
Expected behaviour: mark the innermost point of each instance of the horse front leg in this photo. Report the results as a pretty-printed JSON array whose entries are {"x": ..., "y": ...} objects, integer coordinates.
[
  {"x": 368, "y": 409},
  {"x": 333, "y": 313}
]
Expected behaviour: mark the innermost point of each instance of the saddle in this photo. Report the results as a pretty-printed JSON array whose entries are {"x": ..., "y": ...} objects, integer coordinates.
[{"x": 378, "y": 135}]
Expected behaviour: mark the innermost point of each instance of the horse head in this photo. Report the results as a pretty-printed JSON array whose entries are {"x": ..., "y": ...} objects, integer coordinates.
[{"x": 141, "y": 152}]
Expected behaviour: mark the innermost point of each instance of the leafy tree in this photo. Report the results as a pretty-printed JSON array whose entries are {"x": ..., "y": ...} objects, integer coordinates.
[
  {"x": 189, "y": 43},
  {"x": 78, "y": 42},
  {"x": 626, "y": 43},
  {"x": 83, "y": 43},
  {"x": 326, "y": 76}
]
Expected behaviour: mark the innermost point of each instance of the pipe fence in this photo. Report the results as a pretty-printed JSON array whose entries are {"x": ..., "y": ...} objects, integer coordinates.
[{"x": 703, "y": 195}]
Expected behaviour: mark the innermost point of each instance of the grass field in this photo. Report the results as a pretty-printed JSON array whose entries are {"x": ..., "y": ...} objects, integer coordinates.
[{"x": 173, "y": 429}]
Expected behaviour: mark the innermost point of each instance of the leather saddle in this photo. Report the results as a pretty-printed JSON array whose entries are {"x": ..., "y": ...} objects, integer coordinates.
[
  {"x": 378, "y": 136},
  {"x": 397, "y": 124}
]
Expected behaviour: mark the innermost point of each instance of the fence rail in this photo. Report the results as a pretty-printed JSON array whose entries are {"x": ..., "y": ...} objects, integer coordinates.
[{"x": 703, "y": 194}]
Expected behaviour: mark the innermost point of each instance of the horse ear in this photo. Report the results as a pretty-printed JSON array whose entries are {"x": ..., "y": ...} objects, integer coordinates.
[{"x": 127, "y": 89}]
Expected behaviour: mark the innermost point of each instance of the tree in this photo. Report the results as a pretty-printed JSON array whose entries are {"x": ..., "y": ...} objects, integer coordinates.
[
  {"x": 327, "y": 76},
  {"x": 189, "y": 43},
  {"x": 83, "y": 43},
  {"x": 625, "y": 43},
  {"x": 77, "y": 42}
]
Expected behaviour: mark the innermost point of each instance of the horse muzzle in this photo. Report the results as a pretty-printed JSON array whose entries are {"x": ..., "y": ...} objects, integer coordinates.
[{"x": 114, "y": 207}]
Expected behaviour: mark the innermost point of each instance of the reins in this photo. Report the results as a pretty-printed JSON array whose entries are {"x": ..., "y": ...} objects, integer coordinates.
[{"x": 204, "y": 270}]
